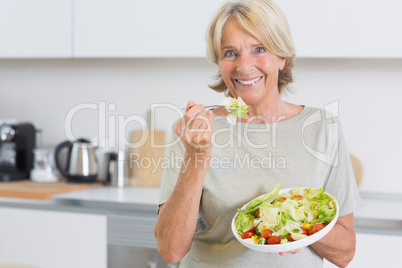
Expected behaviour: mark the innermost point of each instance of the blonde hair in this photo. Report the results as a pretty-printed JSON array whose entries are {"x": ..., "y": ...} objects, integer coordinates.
[{"x": 266, "y": 22}]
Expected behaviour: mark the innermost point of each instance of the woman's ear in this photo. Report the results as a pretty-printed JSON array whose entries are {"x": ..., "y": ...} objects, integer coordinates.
[{"x": 282, "y": 63}]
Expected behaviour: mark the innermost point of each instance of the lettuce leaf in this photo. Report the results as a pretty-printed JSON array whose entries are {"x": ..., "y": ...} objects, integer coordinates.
[
  {"x": 267, "y": 198},
  {"x": 244, "y": 222},
  {"x": 236, "y": 106},
  {"x": 270, "y": 216}
]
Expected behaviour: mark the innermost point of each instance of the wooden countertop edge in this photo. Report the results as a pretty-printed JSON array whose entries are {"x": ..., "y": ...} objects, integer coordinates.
[
  {"x": 41, "y": 191},
  {"x": 36, "y": 196}
]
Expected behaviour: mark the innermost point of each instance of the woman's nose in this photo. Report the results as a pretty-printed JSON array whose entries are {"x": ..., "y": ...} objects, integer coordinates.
[{"x": 245, "y": 64}]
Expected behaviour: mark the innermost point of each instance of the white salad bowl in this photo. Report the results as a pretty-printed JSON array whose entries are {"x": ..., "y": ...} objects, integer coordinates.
[{"x": 304, "y": 242}]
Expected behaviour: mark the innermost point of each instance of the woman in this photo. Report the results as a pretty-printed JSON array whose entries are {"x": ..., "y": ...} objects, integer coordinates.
[{"x": 225, "y": 166}]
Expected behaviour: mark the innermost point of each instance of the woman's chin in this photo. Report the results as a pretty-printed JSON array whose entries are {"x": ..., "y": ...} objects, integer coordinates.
[{"x": 250, "y": 99}]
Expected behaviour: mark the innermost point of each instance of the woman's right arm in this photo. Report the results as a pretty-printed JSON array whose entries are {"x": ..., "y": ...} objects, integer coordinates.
[{"x": 177, "y": 220}]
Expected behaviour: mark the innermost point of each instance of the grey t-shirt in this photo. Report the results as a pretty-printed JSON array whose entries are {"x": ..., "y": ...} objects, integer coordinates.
[{"x": 307, "y": 150}]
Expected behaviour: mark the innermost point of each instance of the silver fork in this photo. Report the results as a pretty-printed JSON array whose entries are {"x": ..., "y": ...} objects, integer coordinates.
[{"x": 209, "y": 107}]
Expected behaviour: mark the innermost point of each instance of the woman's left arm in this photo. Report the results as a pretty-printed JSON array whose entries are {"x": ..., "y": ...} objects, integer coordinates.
[{"x": 339, "y": 245}]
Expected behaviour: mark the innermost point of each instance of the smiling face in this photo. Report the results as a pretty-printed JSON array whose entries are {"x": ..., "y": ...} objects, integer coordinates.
[{"x": 248, "y": 69}]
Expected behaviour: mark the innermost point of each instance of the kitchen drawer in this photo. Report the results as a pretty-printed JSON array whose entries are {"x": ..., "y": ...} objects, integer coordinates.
[
  {"x": 135, "y": 231},
  {"x": 49, "y": 239}
]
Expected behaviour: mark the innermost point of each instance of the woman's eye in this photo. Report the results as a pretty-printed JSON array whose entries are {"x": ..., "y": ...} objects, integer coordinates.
[
  {"x": 229, "y": 54},
  {"x": 260, "y": 50}
]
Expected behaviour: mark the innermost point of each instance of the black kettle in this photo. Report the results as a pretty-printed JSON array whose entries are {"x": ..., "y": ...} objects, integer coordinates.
[{"x": 81, "y": 166}]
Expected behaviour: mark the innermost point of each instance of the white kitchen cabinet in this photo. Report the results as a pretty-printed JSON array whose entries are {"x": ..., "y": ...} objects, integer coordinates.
[
  {"x": 321, "y": 29},
  {"x": 344, "y": 28},
  {"x": 49, "y": 239},
  {"x": 176, "y": 28},
  {"x": 35, "y": 28},
  {"x": 129, "y": 28}
]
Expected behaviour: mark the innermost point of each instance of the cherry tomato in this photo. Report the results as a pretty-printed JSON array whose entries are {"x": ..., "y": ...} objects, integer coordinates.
[
  {"x": 266, "y": 233},
  {"x": 252, "y": 230},
  {"x": 304, "y": 231},
  {"x": 298, "y": 196},
  {"x": 274, "y": 240},
  {"x": 257, "y": 213},
  {"x": 317, "y": 227},
  {"x": 290, "y": 238},
  {"x": 281, "y": 199},
  {"x": 247, "y": 235}
]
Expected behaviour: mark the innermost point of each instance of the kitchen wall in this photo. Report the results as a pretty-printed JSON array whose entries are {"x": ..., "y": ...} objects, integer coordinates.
[{"x": 46, "y": 91}]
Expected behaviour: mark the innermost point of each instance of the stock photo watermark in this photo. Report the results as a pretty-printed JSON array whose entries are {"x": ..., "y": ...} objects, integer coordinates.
[
  {"x": 112, "y": 130},
  {"x": 247, "y": 161}
]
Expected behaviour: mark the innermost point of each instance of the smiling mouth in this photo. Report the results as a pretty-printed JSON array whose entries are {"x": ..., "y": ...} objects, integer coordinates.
[{"x": 248, "y": 82}]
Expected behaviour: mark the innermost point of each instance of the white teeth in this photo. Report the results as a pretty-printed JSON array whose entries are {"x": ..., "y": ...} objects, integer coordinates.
[{"x": 249, "y": 82}]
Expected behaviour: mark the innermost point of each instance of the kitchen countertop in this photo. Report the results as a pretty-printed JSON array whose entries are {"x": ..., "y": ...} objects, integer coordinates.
[
  {"x": 387, "y": 205},
  {"x": 29, "y": 189},
  {"x": 138, "y": 198},
  {"x": 104, "y": 200},
  {"x": 131, "y": 195},
  {"x": 380, "y": 212}
]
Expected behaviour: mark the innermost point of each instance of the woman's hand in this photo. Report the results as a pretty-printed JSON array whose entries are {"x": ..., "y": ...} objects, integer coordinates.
[
  {"x": 286, "y": 252},
  {"x": 194, "y": 129}
]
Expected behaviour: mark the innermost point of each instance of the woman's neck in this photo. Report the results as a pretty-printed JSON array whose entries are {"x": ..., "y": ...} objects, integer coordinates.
[{"x": 272, "y": 110}]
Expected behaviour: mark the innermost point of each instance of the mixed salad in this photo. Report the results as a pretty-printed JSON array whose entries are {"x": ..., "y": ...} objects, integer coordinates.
[
  {"x": 236, "y": 107},
  {"x": 281, "y": 218}
]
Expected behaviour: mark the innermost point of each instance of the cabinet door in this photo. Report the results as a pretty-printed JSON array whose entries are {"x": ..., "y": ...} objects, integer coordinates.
[
  {"x": 129, "y": 28},
  {"x": 343, "y": 28},
  {"x": 49, "y": 239},
  {"x": 176, "y": 28},
  {"x": 35, "y": 28}
]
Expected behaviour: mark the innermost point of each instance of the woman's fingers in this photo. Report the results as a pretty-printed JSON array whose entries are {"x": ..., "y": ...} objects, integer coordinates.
[
  {"x": 191, "y": 111},
  {"x": 195, "y": 118},
  {"x": 189, "y": 105},
  {"x": 194, "y": 128},
  {"x": 198, "y": 131},
  {"x": 292, "y": 252}
]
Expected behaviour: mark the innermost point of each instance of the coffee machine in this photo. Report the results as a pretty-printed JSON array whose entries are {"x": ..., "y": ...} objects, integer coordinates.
[{"x": 17, "y": 142}]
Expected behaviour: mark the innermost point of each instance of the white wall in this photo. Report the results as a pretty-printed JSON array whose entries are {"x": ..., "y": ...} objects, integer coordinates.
[
  {"x": 43, "y": 91},
  {"x": 369, "y": 94}
]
